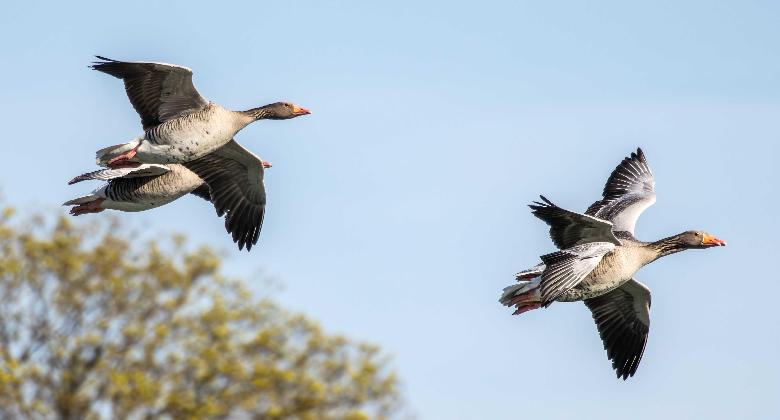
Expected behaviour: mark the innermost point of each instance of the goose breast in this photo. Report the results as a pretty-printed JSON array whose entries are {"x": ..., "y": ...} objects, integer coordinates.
[
  {"x": 616, "y": 268},
  {"x": 191, "y": 136}
]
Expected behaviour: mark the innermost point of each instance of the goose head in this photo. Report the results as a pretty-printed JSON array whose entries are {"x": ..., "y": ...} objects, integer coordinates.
[
  {"x": 696, "y": 239},
  {"x": 281, "y": 111}
]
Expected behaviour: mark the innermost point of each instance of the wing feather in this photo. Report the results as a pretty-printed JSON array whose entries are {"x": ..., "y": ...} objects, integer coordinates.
[
  {"x": 158, "y": 91},
  {"x": 142, "y": 170},
  {"x": 235, "y": 179},
  {"x": 568, "y": 228},
  {"x": 623, "y": 320},
  {"x": 629, "y": 191},
  {"x": 566, "y": 268}
]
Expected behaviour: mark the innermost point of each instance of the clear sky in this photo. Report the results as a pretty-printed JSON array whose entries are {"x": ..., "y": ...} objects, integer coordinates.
[{"x": 397, "y": 210}]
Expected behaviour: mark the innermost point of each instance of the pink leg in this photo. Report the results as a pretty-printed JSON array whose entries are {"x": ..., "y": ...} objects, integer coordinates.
[
  {"x": 525, "y": 308},
  {"x": 266, "y": 164},
  {"x": 527, "y": 301},
  {"x": 91, "y": 207},
  {"x": 116, "y": 162}
]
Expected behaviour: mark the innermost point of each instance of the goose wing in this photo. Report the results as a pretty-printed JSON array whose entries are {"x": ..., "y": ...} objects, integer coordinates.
[
  {"x": 142, "y": 170},
  {"x": 567, "y": 267},
  {"x": 202, "y": 192},
  {"x": 158, "y": 91},
  {"x": 568, "y": 228},
  {"x": 623, "y": 319},
  {"x": 629, "y": 190},
  {"x": 235, "y": 179}
]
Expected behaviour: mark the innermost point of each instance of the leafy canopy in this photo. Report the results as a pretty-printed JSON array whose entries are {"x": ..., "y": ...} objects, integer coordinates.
[{"x": 94, "y": 326}]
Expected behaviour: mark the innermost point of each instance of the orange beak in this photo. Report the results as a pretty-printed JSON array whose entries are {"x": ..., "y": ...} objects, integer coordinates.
[
  {"x": 710, "y": 240},
  {"x": 300, "y": 111}
]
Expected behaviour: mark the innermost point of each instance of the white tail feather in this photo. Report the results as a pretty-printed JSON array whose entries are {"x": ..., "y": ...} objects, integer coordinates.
[
  {"x": 522, "y": 286},
  {"x": 531, "y": 272},
  {"x": 81, "y": 200},
  {"x": 105, "y": 154},
  {"x": 94, "y": 195}
]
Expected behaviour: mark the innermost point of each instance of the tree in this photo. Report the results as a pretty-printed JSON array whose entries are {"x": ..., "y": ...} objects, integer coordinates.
[{"x": 93, "y": 326}]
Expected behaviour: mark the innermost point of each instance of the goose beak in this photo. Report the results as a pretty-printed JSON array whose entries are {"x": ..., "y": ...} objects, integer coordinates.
[
  {"x": 300, "y": 111},
  {"x": 710, "y": 240}
]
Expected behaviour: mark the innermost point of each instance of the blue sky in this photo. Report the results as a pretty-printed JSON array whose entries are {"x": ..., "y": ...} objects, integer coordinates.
[{"x": 397, "y": 210}]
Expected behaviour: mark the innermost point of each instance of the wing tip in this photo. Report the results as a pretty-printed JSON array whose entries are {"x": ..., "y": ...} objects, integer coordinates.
[
  {"x": 100, "y": 62},
  {"x": 83, "y": 177},
  {"x": 540, "y": 205},
  {"x": 105, "y": 61},
  {"x": 637, "y": 156},
  {"x": 549, "y": 203},
  {"x": 640, "y": 154}
]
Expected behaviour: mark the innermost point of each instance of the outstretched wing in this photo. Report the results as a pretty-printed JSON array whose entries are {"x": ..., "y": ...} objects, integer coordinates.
[
  {"x": 141, "y": 170},
  {"x": 568, "y": 228},
  {"x": 629, "y": 190},
  {"x": 158, "y": 91},
  {"x": 567, "y": 267},
  {"x": 623, "y": 319},
  {"x": 235, "y": 179}
]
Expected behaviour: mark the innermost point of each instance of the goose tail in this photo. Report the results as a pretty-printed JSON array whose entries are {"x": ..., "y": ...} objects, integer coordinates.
[
  {"x": 526, "y": 294},
  {"x": 104, "y": 155},
  {"x": 90, "y": 203},
  {"x": 81, "y": 200}
]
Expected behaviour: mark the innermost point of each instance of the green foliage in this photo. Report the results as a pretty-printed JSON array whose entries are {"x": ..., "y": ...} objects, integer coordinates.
[{"x": 93, "y": 326}]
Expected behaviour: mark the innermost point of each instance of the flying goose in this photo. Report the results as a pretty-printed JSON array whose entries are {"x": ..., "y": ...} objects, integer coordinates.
[
  {"x": 233, "y": 183},
  {"x": 138, "y": 188},
  {"x": 179, "y": 124},
  {"x": 597, "y": 260}
]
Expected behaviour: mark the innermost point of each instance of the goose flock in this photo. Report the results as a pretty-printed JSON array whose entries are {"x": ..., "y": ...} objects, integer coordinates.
[
  {"x": 597, "y": 259},
  {"x": 187, "y": 147}
]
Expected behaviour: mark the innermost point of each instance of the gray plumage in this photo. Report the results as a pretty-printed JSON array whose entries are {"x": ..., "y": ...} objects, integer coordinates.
[
  {"x": 622, "y": 318},
  {"x": 231, "y": 178},
  {"x": 235, "y": 178},
  {"x": 179, "y": 124},
  {"x": 568, "y": 228},
  {"x": 142, "y": 170},
  {"x": 598, "y": 258},
  {"x": 158, "y": 91},
  {"x": 133, "y": 189},
  {"x": 629, "y": 191},
  {"x": 565, "y": 269}
]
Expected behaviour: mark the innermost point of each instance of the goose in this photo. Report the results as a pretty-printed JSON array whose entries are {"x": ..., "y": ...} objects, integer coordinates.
[
  {"x": 597, "y": 259},
  {"x": 179, "y": 124},
  {"x": 230, "y": 177},
  {"x": 138, "y": 188}
]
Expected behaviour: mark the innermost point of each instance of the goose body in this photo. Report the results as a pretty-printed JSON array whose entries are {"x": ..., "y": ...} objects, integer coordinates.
[
  {"x": 231, "y": 178},
  {"x": 615, "y": 268},
  {"x": 597, "y": 260},
  {"x": 188, "y": 137},
  {"x": 179, "y": 124},
  {"x": 135, "y": 189},
  {"x": 181, "y": 127}
]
